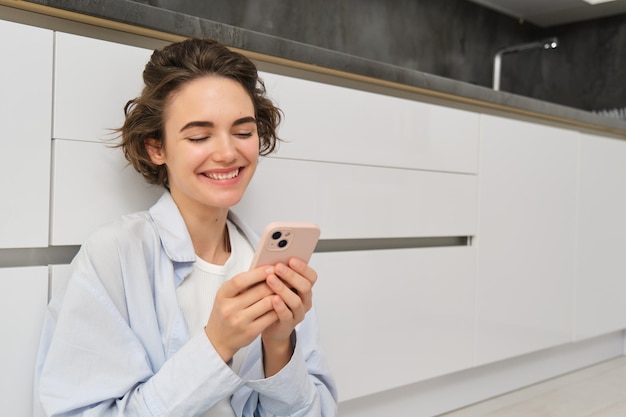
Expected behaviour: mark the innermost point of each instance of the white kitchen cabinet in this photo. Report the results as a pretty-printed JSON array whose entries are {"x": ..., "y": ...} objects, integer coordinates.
[
  {"x": 330, "y": 123},
  {"x": 92, "y": 184},
  {"x": 93, "y": 80},
  {"x": 526, "y": 237},
  {"x": 25, "y": 117},
  {"x": 390, "y": 318},
  {"x": 601, "y": 274},
  {"x": 357, "y": 202},
  {"x": 23, "y": 300}
]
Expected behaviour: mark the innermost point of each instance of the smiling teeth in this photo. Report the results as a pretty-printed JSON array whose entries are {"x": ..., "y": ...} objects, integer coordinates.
[{"x": 225, "y": 176}]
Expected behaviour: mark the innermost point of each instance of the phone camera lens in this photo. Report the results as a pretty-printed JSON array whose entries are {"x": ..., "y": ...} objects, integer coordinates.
[
  {"x": 282, "y": 243},
  {"x": 276, "y": 235}
]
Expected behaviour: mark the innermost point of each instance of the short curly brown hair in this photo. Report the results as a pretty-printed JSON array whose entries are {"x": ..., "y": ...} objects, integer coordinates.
[{"x": 167, "y": 71}]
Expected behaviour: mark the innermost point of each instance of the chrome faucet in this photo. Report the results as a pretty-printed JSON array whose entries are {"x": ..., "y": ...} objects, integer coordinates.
[{"x": 549, "y": 43}]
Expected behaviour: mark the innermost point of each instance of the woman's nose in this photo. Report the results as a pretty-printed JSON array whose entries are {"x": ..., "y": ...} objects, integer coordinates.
[{"x": 225, "y": 149}]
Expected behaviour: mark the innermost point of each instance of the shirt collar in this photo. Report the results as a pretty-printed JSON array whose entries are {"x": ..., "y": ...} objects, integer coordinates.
[{"x": 172, "y": 229}]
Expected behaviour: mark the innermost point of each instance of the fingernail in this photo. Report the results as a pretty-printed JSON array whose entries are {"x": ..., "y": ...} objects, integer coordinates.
[{"x": 273, "y": 281}]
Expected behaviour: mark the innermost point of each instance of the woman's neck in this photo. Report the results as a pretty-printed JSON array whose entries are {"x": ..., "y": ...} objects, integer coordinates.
[
  {"x": 208, "y": 231},
  {"x": 210, "y": 239}
]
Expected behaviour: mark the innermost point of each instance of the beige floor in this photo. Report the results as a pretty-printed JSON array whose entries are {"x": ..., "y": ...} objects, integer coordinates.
[{"x": 597, "y": 391}]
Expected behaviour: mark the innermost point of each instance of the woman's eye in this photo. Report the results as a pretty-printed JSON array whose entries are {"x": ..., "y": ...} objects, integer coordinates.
[
  {"x": 244, "y": 135},
  {"x": 198, "y": 139}
]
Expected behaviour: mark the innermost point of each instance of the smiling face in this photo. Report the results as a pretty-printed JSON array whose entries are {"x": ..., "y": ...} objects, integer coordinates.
[{"x": 210, "y": 146}]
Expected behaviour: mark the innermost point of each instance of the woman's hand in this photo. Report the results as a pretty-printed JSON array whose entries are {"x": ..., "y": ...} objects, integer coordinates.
[
  {"x": 267, "y": 301},
  {"x": 243, "y": 308},
  {"x": 292, "y": 286}
]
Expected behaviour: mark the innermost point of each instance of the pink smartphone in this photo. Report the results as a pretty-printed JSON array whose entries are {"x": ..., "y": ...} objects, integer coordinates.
[{"x": 283, "y": 240}]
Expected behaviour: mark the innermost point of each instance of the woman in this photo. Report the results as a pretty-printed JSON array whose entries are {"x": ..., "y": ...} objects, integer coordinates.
[{"x": 161, "y": 316}]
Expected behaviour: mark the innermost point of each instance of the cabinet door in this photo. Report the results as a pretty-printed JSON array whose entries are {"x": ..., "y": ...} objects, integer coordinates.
[
  {"x": 330, "y": 123},
  {"x": 601, "y": 280},
  {"x": 25, "y": 117},
  {"x": 526, "y": 237},
  {"x": 23, "y": 300},
  {"x": 93, "y": 80},
  {"x": 390, "y": 318}
]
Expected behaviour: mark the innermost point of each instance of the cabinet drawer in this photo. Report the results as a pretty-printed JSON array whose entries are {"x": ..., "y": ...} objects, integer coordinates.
[
  {"x": 394, "y": 317},
  {"x": 329, "y": 123},
  {"x": 93, "y": 80},
  {"x": 351, "y": 201}
]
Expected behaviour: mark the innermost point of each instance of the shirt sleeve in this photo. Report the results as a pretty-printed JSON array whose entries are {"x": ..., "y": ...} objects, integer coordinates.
[
  {"x": 101, "y": 357},
  {"x": 303, "y": 388}
]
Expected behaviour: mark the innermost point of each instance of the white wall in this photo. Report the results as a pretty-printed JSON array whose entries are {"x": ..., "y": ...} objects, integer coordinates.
[{"x": 398, "y": 322}]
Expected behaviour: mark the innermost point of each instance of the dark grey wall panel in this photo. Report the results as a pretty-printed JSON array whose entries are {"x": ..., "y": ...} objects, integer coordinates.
[{"x": 453, "y": 38}]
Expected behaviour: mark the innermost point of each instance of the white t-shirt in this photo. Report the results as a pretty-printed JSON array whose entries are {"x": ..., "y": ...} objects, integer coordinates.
[{"x": 196, "y": 295}]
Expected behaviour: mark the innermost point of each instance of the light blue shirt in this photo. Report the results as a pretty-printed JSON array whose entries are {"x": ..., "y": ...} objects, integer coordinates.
[{"x": 116, "y": 343}]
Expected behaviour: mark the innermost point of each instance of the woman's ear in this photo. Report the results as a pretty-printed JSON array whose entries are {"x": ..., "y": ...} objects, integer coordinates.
[{"x": 155, "y": 151}]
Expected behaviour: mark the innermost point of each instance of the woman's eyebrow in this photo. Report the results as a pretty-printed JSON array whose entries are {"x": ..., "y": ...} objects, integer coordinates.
[
  {"x": 244, "y": 120},
  {"x": 201, "y": 123},
  {"x": 197, "y": 124}
]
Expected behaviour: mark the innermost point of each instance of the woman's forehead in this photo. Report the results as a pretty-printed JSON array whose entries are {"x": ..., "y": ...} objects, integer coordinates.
[{"x": 209, "y": 97}]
